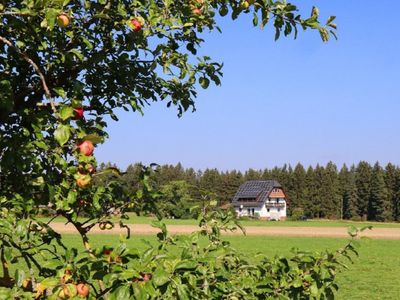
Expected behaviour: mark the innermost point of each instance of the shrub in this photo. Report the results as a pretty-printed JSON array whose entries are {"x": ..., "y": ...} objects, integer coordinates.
[{"x": 298, "y": 214}]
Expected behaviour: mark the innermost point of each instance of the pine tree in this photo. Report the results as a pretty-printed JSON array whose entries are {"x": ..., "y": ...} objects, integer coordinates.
[
  {"x": 396, "y": 198},
  {"x": 314, "y": 185},
  {"x": 379, "y": 205},
  {"x": 329, "y": 192},
  {"x": 266, "y": 174},
  {"x": 252, "y": 174},
  {"x": 298, "y": 194},
  {"x": 390, "y": 181},
  {"x": 363, "y": 184},
  {"x": 343, "y": 178},
  {"x": 348, "y": 192},
  {"x": 209, "y": 183},
  {"x": 288, "y": 186}
]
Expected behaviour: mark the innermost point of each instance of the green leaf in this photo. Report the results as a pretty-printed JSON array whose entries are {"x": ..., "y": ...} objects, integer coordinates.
[
  {"x": 330, "y": 20},
  {"x": 223, "y": 11},
  {"x": 110, "y": 171},
  {"x": 213, "y": 203},
  {"x": 204, "y": 82},
  {"x": 77, "y": 53},
  {"x": 160, "y": 277},
  {"x": 182, "y": 291},
  {"x": 122, "y": 292},
  {"x": 19, "y": 276},
  {"x": 314, "y": 290},
  {"x": 88, "y": 44},
  {"x": 94, "y": 138},
  {"x": 255, "y": 19},
  {"x": 40, "y": 144},
  {"x": 186, "y": 264},
  {"x": 62, "y": 134},
  {"x": 65, "y": 112},
  {"x": 51, "y": 16},
  {"x": 332, "y": 25},
  {"x": 38, "y": 181},
  {"x": 6, "y": 103},
  {"x": 59, "y": 91},
  {"x": 49, "y": 282},
  {"x": 314, "y": 12}
]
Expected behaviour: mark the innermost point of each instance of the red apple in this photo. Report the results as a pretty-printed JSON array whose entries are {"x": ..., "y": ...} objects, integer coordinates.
[
  {"x": 146, "y": 276},
  {"x": 82, "y": 289},
  {"x": 107, "y": 251},
  {"x": 137, "y": 26},
  {"x": 197, "y": 11},
  {"x": 78, "y": 111},
  {"x": 68, "y": 272},
  {"x": 86, "y": 148}
]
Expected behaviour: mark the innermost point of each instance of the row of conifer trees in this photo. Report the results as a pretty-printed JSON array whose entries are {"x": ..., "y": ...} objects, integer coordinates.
[{"x": 359, "y": 192}]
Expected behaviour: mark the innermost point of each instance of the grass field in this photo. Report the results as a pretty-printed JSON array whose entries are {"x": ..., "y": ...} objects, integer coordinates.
[
  {"x": 374, "y": 275},
  {"x": 309, "y": 223}
]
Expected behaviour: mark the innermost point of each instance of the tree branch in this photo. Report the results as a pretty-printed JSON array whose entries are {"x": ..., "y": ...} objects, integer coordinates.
[
  {"x": 6, "y": 271},
  {"x": 14, "y": 13},
  {"x": 37, "y": 69}
]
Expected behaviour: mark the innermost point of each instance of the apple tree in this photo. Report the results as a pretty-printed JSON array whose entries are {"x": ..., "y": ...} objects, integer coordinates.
[{"x": 66, "y": 67}]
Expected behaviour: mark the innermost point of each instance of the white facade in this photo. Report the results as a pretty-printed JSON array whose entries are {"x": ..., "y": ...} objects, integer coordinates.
[{"x": 272, "y": 209}]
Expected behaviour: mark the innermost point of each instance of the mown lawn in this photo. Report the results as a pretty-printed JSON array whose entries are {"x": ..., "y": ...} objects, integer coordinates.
[
  {"x": 374, "y": 275},
  {"x": 309, "y": 223}
]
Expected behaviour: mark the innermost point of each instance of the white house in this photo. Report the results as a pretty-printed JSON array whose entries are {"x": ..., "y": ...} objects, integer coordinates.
[{"x": 265, "y": 199}]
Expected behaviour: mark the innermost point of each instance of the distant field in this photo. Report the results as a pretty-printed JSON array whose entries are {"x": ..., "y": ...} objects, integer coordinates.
[
  {"x": 309, "y": 223},
  {"x": 374, "y": 275}
]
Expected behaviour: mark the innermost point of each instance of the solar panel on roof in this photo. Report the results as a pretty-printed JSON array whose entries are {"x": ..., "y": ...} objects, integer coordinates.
[{"x": 256, "y": 189}]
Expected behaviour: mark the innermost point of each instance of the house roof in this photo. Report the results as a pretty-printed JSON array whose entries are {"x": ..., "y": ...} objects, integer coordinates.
[{"x": 258, "y": 189}]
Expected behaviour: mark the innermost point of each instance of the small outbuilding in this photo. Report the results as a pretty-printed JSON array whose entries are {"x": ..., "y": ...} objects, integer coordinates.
[{"x": 261, "y": 198}]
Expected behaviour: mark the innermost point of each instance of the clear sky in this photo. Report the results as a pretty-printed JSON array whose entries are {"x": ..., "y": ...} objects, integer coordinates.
[{"x": 282, "y": 102}]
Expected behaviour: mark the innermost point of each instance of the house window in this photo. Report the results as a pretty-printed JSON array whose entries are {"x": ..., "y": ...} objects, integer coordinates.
[
  {"x": 277, "y": 200},
  {"x": 267, "y": 209},
  {"x": 252, "y": 211}
]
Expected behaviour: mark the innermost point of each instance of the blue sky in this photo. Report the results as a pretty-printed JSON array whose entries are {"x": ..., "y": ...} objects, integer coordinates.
[{"x": 282, "y": 102}]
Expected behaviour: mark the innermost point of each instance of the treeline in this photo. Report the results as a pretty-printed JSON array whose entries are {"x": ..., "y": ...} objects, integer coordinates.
[{"x": 359, "y": 192}]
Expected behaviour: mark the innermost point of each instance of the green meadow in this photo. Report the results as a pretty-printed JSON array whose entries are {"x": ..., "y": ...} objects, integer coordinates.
[{"x": 375, "y": 274}]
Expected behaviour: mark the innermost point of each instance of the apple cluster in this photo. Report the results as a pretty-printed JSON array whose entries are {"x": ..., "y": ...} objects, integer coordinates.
[{"x": 83, "y": 176}]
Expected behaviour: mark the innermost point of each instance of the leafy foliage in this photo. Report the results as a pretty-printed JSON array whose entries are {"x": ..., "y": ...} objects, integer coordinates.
[{"x": 197, "y": 266}]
